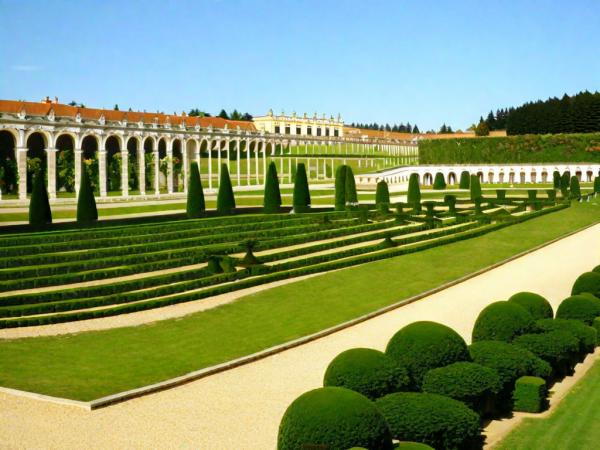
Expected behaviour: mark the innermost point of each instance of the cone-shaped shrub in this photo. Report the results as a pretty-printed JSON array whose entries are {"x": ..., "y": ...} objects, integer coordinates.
[
  {"x": 301, "y": 200},
  {"x": 195, "y": 197},
  {"x": 351, "y": 196},
  {"x": 272, "y": 200},
  {"x": 382, "y": 196},
  {"x": 40, "y": 214},
  {"x": 575, "y": 188},
  {"x": 439, "y": 182},
  {"x": 414, "y": 192},
  {"x": 475, "y": 188},
  {"x": 333, "y": 418},
  {"x": 502, "y": 321},
  {"x": 535, "y": 304},
  {"x": 340, "y": 188},
  {"x": 465, "y": 180},
  {"x": 86, "y": 203},
  {"x": 225, "y": 198},
  {"x": 587, "y": 282},
  {"x": 556, "y": 179},
  {"x": 564, "y": 183},
  {"x": 597, "y": 184}
]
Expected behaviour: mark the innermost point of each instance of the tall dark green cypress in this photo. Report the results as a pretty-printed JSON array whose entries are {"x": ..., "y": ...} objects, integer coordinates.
[
  {"x": 351, "y": 196},
  {"x": 225, "y": 198},
  {"x": 475, "y": 189},
  {"x": 565, "y": 180},
  {"x": 575, "y": 188},
  {"x": 272, "y": 198},
  {"x": 40, "y": 214},
  {"x": 556, "y": 179},
  {"x": 439, "y": 182},
  {"x": 382, "y": 196},
  {"x": 195, "y": 197},
  {"x": 340, "y": 188},
  {"x": 597, "y": 184},
  {"x": 301, "y": 199},
  {"x": 465, "y": 180},
  {"x": 414, "y": 192},
  {"x": 86, "y": 203}
]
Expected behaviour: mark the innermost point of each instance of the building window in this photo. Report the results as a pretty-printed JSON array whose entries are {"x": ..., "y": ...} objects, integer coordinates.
[
  {"x": 298, "y": 130},
  {"x": 318, "y": 131},
  {"x": 326, "y": 131},
  {"x": 287, "y": 129},
  {"x": 277, "y": 129},
  {"x": 309, "y": 131},
  {"x": 336, "y": 132}
]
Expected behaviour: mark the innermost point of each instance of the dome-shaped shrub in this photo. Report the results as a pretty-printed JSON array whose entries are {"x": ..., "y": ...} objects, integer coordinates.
[
  {"x": 407, "y": 445},
  {"x": 586, "y": 335},
  {"x": 559, "y": 348},
  {"x": 587, "y": 282},
  {"x": 501, "y": 321},
  {"x": 578, "y": 307},
  {"x": 366, "y": 371},
  {"x": 333, "y": 417},
  {"x": 422, "y": 346},
  {"x": 432, "y": 419},
  {"x": 471, "y": 383},
  {"x": 597, "y": 268},
  {"x": 535, "y": 304}
]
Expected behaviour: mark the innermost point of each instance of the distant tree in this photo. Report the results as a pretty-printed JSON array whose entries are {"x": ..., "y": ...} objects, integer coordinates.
[
  {"x": 482, "y": 129},
  {"x": 116, "y": 108},
  {"x": 223, "y": 114},
  {"x": 235, "y": 115},
  {"x": 409, "y": 128},
  {"x": 415, "y": 129},
  {"x": 443, "y": 129}
]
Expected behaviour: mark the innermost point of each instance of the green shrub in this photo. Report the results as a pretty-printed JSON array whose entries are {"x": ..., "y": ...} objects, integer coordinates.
[
  {"x": 382, "y": 196},
  {"x": 195, "y": 197},
  {"x": 530, "y": 394},
  {"x": 465, "y": 180},
  {"x": 407, "y": 445},
  {"x": 501, "y": 321},
  {"x": 575, "y": 188},
  {"x": 471, "y": 383},
  {"x": 596, "y": 325},
  {"x": 551, "y": 193},
  {"x": 214, "y": 265},
  {"x": 597, "y": 184},
  {"x": 558, "y": 348},
  {"x": 597, "y": 268},
  {"x": 340, "y": 188},
  {"x": 556, "y": 179},
  {"x": 565, "y": 181},
  {"x": 422, "y": 346},
  {"x": 272, "y": 197},
  {"x": 535, "y": 304},
  {"x": 350, "y": 189},
  {"x": 578, "y": 307},
  {"x": 40, "y": 214},
  {"x": 301, "y": 199},
  {"x": 450, "y": 201},
  {"x": 531, "y": 194},
  {"x": 366, "y": 371},
  {"x": 86, "y": 203},
  {"x": 587, "y": 282},
  {"x": 435, "y": 420},
  {"x": 501, "y": 194},
  {"x": 439, "y": 182},
  {"x": 475, "y": 188},
  {"x": 585, "y": 334},
  {"x": 225, "y": 198},
  {"x": 333, "y": 418},
  {"x": 414, "y": 192}
]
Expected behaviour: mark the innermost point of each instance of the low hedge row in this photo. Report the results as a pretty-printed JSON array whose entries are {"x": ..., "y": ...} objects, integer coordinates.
[{"x": 530, "y": 394}]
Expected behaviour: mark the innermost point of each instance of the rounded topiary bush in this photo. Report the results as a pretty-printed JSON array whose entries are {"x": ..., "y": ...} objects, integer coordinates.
[
  {"x": 559, "y": 348},
  {"x": 422, "y": 346},
  {"x": 439, "y": 181},
  {"x": 435, "y": 420},
  {"x": 366, "y": 371},
  {"x": 587, "y": 282},
  {"x": 407, "y": 445},
  {"x": 382, "y": 196},
  {"x": 535, "y": 304},
  {"x": 501, "y": 321},
  {"x": 579, "y": 307},
  {"x": 335, "y": 418},
  {"x": 585, "y": 334},
  {"x": 471, "y": 383},
  {"x": 597, "y": 268}
]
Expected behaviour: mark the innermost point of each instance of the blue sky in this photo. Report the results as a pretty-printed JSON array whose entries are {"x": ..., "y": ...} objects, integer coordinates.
[{"x": 424, "y": 61}]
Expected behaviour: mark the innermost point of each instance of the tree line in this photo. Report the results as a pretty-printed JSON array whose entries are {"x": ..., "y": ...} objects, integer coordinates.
[{"x": 399, "y": 128}]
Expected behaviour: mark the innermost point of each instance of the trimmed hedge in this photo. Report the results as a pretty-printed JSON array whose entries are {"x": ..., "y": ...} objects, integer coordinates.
[
  {"x": 586, "y": 335},
  {"x": 350, "y": 189},
  {"x": 579, "y": 307},
  {"x": 435, "y": 420},
  {"x": 465, "y": 180},
  {"x": 587, "y": 282},
  {"x": 439, "y": 182},
  {"x": 575, "y": 188},
  {"x": 475, "y": 188},
  {"x": 530, "y": 395},
  {"x": 407, "y": 445},
  {"x": 301, "y": 197},
  {"x": 558, "y": 348},
  {"x": 535, "y": 304},
  {"x": 340, "y": 188},
  {"x": 596, "y": 325},
  {"x": 366, "y": 371},
  {"x": 272, "y": 196},
  {"x": 556, "y": 179},
  {"x": 195, "y": 206},
  {"x": 597, "y": 184},
  {"x": 501, "y": 321},
  {"x": 225, "y": 198},
  {"x": 40, "y": 214},
  {"x": 382, "y": 196},
  {"x": 414, "y": 192},
  {"x": 335, "y": 418},
  {"x": 86, "y": 203},
  {"x": 422, "y": 346},
  {"x": 471, "y": 383}
]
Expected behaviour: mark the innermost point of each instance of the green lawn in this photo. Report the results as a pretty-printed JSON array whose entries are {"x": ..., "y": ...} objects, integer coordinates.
[
  {"x": 573, "y": 425},
  {"x": 94, "y": 364}
]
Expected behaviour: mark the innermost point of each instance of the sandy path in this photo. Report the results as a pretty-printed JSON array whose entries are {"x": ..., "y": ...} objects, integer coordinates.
[{"x": 242, "y": 407}]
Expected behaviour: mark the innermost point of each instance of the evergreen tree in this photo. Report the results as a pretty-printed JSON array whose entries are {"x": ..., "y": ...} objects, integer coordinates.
[
  {"x": 465, "y": 180},
  {"x": 350, "y": 189},
  {"x": 564, "y": 183},
  {"x": 340, "y": 188},
  {"x": 223, "y": 114},
  {"x": 556, "y": 179},
  {"x": 414, "y": 192},
  {"x": 482, "y": 129},
  {"x": 439, "y": 182},
  {"x": 301, "y": 198},
  {"x": 409, "y": 128},
  {"x": 575, "y": 188},
  {"x": 40, "y": 214},
  {"x": 475, "y": 188},
  {"x": 225, "y": 198},
  {"x": 415, "y": 129},
  {"x": 86, "y": 203},
  {"x": 597, "y": 184},
  {"x": 382, "y": 196},
  {"x": 272, "y": 200},
  {"x": 195, "y": 197}
]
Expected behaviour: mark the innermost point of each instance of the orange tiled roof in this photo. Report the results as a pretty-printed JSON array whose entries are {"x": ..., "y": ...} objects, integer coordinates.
[
  {"x": 61, "y": 110},
  {"x": 349, "y": 131}
]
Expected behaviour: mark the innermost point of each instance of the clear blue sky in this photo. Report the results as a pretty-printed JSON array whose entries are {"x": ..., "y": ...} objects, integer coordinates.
[{"x": 423, "y": 61}]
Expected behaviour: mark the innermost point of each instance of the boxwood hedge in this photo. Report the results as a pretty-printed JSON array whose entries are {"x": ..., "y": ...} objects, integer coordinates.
[
  {"x": 559, "y": 348},
  {"x": 535, "y": 304},
  {"x": 587, "y": 282},
  {"x": 586, "y": 335},
  {"x": 530, "y": 394},
  {"x": 578, "y": 307},
  {"x": 501, "y": 321}
]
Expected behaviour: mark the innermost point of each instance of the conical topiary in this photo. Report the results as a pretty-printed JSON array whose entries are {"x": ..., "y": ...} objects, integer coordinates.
[
  {"x": 575, "y": 188},
  {"x": 301, "y": 200},
  {"x": 86, "y": 203},
  {"x": 475, "y": 188},
  {"x": 382, "y": 196},
  {"x": 272, "y": 198},
  {"x": 597, "y": 184},
  {"x": 414, "y": 192},
  {"x": 340, "y": 188},
  {"x": 225, "y": 198},
  {"x": 564, "y": 183},
  {"x": 195, "y": 197},
  {"x": 556, "y": 179},
  {"x": 439, "y": 182},
  {"x": 465, "y": 180},
  {"x": 40, "y": 214},
  {"x": 351, "y": 197}
]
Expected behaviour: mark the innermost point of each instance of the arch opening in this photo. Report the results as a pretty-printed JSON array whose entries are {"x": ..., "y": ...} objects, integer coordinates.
[
  {"x": 9, "y": 173},
  {"x": 89, "y": 160},
  {"x": 65, "y": 163},
  {"x": 36, "y": 157}
]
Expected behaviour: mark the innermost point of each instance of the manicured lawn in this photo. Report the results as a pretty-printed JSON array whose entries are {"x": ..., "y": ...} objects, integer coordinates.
[
  {"x": 574, "y": 424},
  {"x": 93, "y": 364}
]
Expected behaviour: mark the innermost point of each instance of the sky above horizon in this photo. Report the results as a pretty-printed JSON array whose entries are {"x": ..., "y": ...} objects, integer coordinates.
[{"x": 426, "y": 62}]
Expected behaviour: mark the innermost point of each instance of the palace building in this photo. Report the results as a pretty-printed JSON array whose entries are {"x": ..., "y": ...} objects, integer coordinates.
[{"x": 300, "y": 126}]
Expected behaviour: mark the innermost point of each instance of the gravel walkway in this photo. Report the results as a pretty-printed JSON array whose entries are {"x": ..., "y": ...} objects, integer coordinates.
[{"x": 242, "y": 407}]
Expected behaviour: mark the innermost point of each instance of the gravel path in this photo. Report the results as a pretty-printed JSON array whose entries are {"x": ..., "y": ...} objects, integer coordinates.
[{"x": 242, "y": 407}]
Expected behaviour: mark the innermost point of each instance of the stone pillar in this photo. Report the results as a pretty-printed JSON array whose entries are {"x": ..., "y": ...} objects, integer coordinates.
[
  {"x": 219, "y": 159},
  {"x": 51, "y": 172},
  {"x": 78, "y": 154},
  {"x": 124, "y": 173},
  {"x": 21, "y": 153},
  {"x": 170, "y": 167},
  {"x": 141, "y": 155},
  {"x": 256, "y": 150},
  {"x": 248, "y": 166},
  {"x": 155, "y": 158},
  {"x": 209, "y": 148},
  {"x": 186, "y": 168},
  {"x": 290, "y": 170},
  {"x": 264, "y": 158},
  {"x": 227, "y": 143},
  {"x": 237, "y": 157},
  {"x": 102, "y": 172}
]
